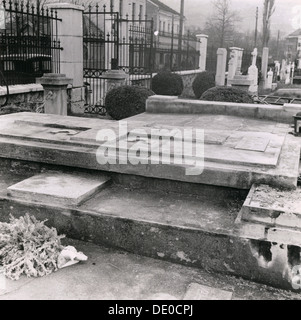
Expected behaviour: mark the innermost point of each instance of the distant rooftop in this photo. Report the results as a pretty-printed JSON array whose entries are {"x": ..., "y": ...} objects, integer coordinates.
[
  {"x": 164, "y": 7},
  {"x": 296, "y": 33}
]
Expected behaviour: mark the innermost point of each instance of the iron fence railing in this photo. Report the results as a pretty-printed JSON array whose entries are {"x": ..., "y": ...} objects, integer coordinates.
[{"x": 29, "y": 44}]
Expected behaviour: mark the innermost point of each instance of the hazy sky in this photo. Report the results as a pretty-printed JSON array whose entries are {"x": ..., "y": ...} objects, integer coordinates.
[{"x": 286, "y": 18}]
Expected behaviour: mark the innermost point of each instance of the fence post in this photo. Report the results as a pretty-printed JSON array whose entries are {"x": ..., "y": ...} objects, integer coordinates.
[
  {"x": 203, "y": 41},
  {"x": 70, "y": 33}
]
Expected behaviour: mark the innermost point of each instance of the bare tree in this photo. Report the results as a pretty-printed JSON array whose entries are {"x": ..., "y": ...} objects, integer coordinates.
[
  {"x": 221, "y": 24},
  {"x": 268, "y": 11}
]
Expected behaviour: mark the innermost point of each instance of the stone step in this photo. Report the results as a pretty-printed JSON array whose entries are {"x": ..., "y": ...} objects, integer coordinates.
[
  {"x": 196, "y": 230},
  {"x": 273, "y": 207},
  {"x": 57, "y": 188}
]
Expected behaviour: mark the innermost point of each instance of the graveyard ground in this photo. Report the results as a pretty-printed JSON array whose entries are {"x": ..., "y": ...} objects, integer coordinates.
[{"x": 118, "y": 275}]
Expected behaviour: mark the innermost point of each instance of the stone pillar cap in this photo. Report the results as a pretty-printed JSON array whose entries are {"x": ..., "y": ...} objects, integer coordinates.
[
  {"x": 65, "y": 5},
  {"x": 115, "y": 74},
  {"x": 55, "y": 79},
  {"x": 202, "y": 36}
]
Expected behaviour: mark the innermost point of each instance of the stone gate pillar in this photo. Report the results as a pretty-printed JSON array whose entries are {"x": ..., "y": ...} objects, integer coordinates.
[{"x": 70, "y": 34}]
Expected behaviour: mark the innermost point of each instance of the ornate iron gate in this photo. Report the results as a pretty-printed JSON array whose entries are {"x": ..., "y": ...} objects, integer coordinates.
[
  {"x": 101, "y": 39},
  {"x": 111, "y": 42}
]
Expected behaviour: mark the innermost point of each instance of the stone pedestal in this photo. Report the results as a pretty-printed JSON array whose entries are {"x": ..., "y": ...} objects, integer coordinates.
[
  {"x": 203, "y": 41},
  {"x": 115, "y": 79},
  {"x": 55, "y": 93},
  {"x": 241, "y": 82},
  {"x": 221, "y": 67}
]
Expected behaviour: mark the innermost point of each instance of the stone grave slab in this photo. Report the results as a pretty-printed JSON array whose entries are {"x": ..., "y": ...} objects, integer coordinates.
[
  {"x": 72, "y": 141},
  {"x": 197, "y": 291},
  {"x": 253, "y": 144},
  {"x": 239, "y": 148},
  {"x": 59, "y": 188},
  {"x": 272, "y": 207}
]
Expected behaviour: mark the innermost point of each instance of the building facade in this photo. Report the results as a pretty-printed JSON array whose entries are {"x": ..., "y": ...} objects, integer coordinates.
[{"x": 293, "y": 43}]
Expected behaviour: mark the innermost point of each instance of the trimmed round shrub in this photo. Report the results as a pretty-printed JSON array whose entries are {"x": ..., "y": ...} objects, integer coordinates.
[
  {"x": 202, "y": 82},
  {"x": 126, "y": 101},
  {"x": 227, "y": 94},
  {"x": 166, "y": 83}
]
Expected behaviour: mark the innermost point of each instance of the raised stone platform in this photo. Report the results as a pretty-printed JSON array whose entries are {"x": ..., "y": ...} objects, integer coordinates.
[
  {"x": 158, "y": 210},
  {"x": 238, "y": 152}
]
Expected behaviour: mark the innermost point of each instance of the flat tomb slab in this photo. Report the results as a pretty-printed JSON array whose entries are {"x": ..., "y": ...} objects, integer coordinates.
[
  {"x": 253, "y": 144},
  {"x": 238, "y": 148},
  {"x": 273, "y": 207},
  {"x": 59, "y": 188}
]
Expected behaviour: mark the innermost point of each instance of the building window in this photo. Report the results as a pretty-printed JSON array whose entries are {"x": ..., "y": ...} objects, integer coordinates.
[
  {"x": 121, "y": 8},
  {"x": 163, "y": 26},
  {"x": 134, "y": 10},
  {"x": 160, "y": 26},
  {"x": 141, "y": 12}
]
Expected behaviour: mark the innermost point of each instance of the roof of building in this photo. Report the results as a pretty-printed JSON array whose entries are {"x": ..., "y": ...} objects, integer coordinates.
[
  {"x": 296, "y": 33},
  {"x": 164, "y": 7}
]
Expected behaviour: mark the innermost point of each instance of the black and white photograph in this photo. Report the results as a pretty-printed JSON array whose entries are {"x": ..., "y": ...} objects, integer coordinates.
[{"x": 150, "y": 153}]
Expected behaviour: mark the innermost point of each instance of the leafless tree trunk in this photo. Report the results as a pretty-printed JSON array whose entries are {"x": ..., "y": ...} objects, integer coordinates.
[
  {"x": 222, "y": 22},
  {"x": 268, "y": 11}
]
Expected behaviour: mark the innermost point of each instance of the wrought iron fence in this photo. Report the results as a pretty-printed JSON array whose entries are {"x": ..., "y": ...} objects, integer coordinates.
[
  {"x": 29, "y": 45},
  {"x": 174, "y": 54}
]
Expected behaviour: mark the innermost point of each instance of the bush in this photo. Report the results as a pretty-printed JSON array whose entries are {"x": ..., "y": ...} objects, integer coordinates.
[
  {"x": 227, "y": 94},
  {"x": 167, "y": 84},
  {"x": 203, "y": 81},
  {"x": 126, "y": 101}
]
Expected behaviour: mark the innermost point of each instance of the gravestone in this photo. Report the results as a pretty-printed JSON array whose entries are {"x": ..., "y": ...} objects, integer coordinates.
[
  {"x": 221, "y": 67},
  {"x": 269, "y": 81}
]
